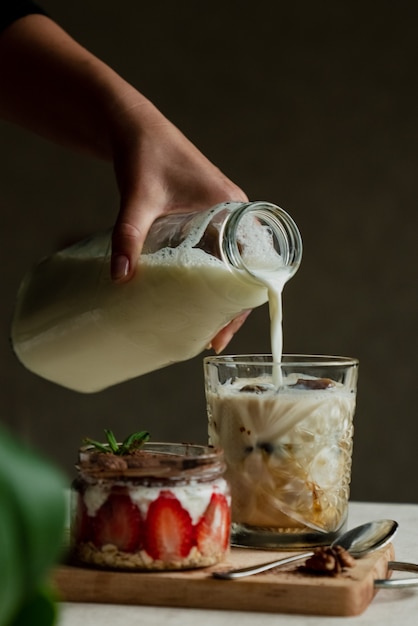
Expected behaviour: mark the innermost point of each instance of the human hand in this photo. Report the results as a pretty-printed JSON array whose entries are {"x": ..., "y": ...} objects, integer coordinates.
[{"x": 158, "y": 171}]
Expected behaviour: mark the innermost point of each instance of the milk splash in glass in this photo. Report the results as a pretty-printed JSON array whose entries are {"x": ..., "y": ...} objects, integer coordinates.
[{"x": 287, "y": 448}]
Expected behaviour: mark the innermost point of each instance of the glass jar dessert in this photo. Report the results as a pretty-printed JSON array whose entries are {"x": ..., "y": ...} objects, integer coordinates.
[{"x": 164, "y": 506}]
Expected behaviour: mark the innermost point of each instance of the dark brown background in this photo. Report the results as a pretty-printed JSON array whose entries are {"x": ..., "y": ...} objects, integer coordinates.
[{"x": 309, "y": 105}]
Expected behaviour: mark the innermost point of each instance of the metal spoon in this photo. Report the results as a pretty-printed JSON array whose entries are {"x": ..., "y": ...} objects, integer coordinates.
[{"x": 358, "y": 542}]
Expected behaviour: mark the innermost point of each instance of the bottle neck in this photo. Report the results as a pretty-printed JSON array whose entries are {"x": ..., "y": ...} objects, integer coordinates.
[{"x": 260, "y": 237}]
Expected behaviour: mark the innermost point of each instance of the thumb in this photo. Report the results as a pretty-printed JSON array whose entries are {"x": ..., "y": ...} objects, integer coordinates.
[{"x": 128, "y": 237}]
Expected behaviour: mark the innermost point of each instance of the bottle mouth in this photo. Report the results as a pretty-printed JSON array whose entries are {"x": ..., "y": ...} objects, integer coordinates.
[{"x": 261, "y": 237}]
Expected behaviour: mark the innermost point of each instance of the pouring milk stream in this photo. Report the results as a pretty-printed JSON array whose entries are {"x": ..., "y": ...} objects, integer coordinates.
[{"x": 73, "y": 326}]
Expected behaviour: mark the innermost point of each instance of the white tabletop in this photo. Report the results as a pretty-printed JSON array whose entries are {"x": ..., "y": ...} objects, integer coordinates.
[{"x": 392, "y": 606}]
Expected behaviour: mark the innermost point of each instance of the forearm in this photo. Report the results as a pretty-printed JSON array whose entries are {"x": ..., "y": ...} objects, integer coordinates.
[
  {"x": 58, "y": 89},
  {"x": 53, "y": 86}
]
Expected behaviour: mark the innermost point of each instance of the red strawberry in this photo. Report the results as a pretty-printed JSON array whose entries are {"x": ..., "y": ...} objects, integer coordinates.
[
  {"x": 168, "y": 529},
  {"x": 212, "y": 530},
  {"x": 81, "y": 526},
  {"x": 119, "y": 522}
]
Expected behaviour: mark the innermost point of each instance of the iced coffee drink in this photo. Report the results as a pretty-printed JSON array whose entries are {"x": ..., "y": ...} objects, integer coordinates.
[{"x": 287, "y": 438}]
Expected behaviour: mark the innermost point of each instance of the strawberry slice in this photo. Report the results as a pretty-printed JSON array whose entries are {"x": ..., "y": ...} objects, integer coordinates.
[
  {"x": 118, "y": 522},
  {"x": 212, "y": 530},
  {"x": 168, "y": 529},
  {"x": 81, "y": 526}
]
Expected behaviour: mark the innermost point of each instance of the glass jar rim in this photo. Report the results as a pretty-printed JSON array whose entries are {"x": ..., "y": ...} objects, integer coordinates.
[
  {"x": 153, "y": 460},
  {"x": 287, "y": 359}
]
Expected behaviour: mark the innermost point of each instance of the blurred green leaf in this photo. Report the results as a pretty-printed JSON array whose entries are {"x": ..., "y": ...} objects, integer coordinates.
[
  {"x": 40, "y": 610},
  {"x": 11, "y": 558},
  {"x": 32, "y": 505}
]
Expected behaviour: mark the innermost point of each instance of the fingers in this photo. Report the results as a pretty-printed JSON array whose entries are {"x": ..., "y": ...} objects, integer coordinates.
[
  {"x": 128, "y": 238},
  {"x": 225, "y": 335}
]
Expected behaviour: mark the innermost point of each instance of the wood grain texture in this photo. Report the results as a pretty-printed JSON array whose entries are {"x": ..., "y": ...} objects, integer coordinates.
[{"x": 278, "y": 591}]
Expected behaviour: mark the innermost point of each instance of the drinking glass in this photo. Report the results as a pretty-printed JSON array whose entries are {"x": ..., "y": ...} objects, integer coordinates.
[{"x": 287, "y": 434}]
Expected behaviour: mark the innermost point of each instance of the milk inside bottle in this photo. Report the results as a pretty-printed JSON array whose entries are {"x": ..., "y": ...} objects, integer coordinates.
[{"x": 74, "y": 326}]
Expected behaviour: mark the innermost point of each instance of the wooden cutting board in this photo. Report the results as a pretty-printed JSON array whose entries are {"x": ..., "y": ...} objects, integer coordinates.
[{"x": 278, "y": 591}]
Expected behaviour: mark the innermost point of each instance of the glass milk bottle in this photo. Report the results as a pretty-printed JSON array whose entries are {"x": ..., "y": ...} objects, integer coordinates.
[{"x": 197, "y": 271}]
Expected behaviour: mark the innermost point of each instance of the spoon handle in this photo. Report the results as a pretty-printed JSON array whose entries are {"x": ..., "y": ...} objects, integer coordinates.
[{"x": 256, "y": 569}]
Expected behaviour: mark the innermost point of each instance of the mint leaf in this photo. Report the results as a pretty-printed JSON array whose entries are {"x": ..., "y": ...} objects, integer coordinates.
[
  {"x": 96, "y": 444},
  {"x": 113, "y": 444},
  {"x": 133, "y": 442}
]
